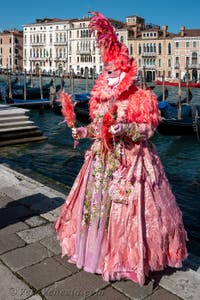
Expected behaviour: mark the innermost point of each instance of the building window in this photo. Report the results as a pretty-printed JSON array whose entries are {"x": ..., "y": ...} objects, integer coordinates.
[
  {"x": 139, "y": 49},
  {"x": 159, "y": 62},
  {"x": 121, "y": 39},
  {"x": 194, "y": 58},
  {"x": 187, "y": 44},
  {"x": 177, "y": 44},
  {"x": 131, "y": 49},
  {"x": 194, "y": 44},
  {"x": 187, "y": 61},
  {"x": 169, "y": 48},
  {"x": 159, "y": 48},
  {"x": 169, "y": 62}
]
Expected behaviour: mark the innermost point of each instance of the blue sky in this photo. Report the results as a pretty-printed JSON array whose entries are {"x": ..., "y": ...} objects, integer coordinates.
[{"x": 174, "y": 13}]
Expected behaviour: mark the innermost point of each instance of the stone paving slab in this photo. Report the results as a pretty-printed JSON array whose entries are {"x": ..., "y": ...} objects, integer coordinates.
[
  {"x": 77, "y": 286},
  {"x": 13, "y": 228},
  {"x": 11, "y": 287},
  {"x": 133, "y": 290},
  {"x": 35, "y": 221},
  {"x": 36, "y": 234},
  {"x": 35, "y": 297},
  {"x": 23, "y": 257},
  {"x": 183, "y": 283},
  {"x": 162, "y": 294},
  {"x": 10, "y": 242},
  {"x": 44, "y": 273},
  {"x": 10, "y": 215},
  {"x": 52, "y": 244},
  {"x": 52, "y": 215},
  {"x": 5, "y": 200},
  {"x": 64, "y": 261},
  {"x": 108, "y": 293}
]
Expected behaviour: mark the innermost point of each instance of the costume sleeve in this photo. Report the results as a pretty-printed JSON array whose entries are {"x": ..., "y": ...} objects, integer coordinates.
[
  {"x": 142, "y": 114},
  {"x": 90, "y": 130},
  {"x": 138, "y": 131}
]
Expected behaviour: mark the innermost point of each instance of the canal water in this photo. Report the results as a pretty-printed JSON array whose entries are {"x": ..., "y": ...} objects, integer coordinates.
[{"x": 56, "y": 159}]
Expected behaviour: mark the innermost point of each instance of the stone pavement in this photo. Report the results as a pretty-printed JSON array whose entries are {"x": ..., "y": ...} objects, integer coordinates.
[{"x": 31, "y": 266}]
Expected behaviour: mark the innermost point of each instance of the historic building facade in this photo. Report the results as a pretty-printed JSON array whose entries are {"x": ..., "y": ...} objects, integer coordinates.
[
  {"x": 67, "y": 46},
  {"x": 62, "y": 46},
  {"x": 187, "y": 54},
  {"x": 11, "y": 50}
]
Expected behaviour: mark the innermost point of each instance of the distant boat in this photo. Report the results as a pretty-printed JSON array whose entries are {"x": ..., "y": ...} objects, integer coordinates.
[
  {"x": 33, "y": 92},
  {"x": 33, "y": 103},
  {"x": 175, "y": 83},
  {"x": 189, "y": 124},
  {"x": 81, "y": 107}
]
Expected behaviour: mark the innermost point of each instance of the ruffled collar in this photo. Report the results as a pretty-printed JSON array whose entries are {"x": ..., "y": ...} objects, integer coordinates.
[{"x": 103, "y": 92}]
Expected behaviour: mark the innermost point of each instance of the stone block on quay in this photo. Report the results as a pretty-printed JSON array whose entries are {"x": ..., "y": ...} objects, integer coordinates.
[
  {"x": 184, "y": 283},
  {"x": 40, "y": 203},
  {"x": 11, "y": 214},
  {"x": 10, "y": 242},
  {"x": 36, "y": 234},
  {"x": 23, "y": 257},
  {"x": 35, "y": 221},
  {"x": 5, "y": 200},
  {"x": 44, "y": 273},
  {"x": 133, "y": 290},
  {"x": 13, "y": 228},
  {"x": 52, "y": 216},
  {"x": 77, "y": 286},
  {"x": 17, "y": 192},
  {"x": 11, "y": 287},
  {"x": 52, "y": 244}
]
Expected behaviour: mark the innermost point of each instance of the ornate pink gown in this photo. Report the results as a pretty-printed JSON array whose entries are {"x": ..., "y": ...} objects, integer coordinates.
[{"x": 120, "y": 218}]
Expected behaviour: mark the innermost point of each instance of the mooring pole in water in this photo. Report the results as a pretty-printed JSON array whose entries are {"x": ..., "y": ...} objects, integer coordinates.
[
  {"x": 72, "y": 81},
  {"x": 163, "y": 86},
  {"x": 25, "y": 94},
  {"x": 179, "y": 95},
  {"x": 187, "y": 85},
  {"x": 9, "y": 86},
  {"x": 40, "y": 79}
]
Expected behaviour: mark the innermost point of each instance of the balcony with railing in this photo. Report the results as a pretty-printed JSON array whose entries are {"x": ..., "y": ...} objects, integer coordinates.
[
  {"x": 148, "y": 54},
  {"x": 60, "y": 43},
  {"x": 193, "y": 66},
  {"x": 83, "y": 51}
]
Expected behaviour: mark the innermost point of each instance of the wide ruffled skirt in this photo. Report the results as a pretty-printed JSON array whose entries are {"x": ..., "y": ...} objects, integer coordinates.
[{"x": 122, "y": 222}]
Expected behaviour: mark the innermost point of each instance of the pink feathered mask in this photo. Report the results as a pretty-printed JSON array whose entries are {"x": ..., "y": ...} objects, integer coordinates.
[{"x": 112, "y": 51}]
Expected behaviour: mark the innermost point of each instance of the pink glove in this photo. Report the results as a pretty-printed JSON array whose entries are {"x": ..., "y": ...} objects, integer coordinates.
[
  {"x": 79, "y": 133},
  {"x": 117, "y": 129}
]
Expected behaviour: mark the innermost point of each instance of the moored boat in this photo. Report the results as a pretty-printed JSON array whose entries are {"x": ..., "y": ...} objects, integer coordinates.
[{"x": 175, "y": 83}]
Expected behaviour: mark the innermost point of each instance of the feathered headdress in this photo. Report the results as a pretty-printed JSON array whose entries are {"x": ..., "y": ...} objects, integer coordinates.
[{"x": 112, "y": 51}]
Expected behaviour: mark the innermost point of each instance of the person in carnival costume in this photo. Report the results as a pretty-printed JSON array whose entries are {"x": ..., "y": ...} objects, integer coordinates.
[{"x": 120, "y": 218}]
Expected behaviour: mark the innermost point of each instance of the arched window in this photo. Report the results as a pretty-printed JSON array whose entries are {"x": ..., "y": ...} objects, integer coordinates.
[{"x": 194, "y": 58}]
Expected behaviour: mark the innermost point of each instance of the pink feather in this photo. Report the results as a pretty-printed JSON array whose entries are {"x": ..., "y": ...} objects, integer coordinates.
[{"x": 67, "y": 109}]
